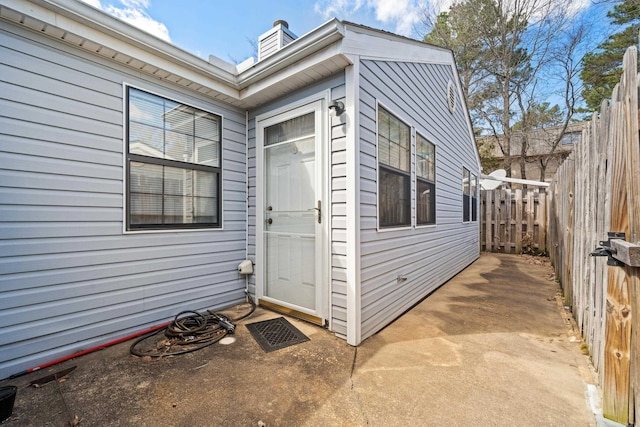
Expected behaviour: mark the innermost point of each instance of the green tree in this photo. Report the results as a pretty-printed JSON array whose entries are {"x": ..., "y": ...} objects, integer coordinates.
[
  {"x": 488, "y": 161},
  {"x": 550, "y": 124},
  {"x": 602, "y": 68},
  {"x": 503, "y": 49},
  {"x": 542, "y": 116},
  {"x": 485, "y": 36},
  {"x": 455, "y": 30}
]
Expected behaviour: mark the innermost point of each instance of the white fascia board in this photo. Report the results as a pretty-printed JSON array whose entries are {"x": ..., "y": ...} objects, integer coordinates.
[
  {"x": 354, "y": 291},
  {"x": 383, "y": 46},
  {"x": 82, "y": 20},
  {"x": 316, "y": 39}
]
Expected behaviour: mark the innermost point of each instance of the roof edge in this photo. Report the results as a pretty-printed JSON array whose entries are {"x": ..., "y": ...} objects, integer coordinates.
[
  {"x": 379, "y": 32},
  {"x": 88, "y": 15},
  {"x": 308, "y": 43}
]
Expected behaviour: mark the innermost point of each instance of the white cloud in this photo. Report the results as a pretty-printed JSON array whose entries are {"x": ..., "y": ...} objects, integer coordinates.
[
  {"x": 136, "y": 4},
  {"x": 577, "y": 6},
  {"x": 404, "y": 14},
  {"x": 135, "y": 13},
  {"x": 337, "y": 8},
  {"x": 139, "y": 18}
]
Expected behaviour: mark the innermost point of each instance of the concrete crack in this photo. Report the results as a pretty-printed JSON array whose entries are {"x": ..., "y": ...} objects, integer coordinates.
[{"x": 357, "y": 395}]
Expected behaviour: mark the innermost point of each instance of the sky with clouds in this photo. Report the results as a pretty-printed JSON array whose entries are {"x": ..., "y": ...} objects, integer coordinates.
[{"x": 229, "y": 29}]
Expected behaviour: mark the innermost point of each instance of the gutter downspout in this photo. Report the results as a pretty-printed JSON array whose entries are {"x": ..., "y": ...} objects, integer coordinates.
[{"x": 246, "y": 177}]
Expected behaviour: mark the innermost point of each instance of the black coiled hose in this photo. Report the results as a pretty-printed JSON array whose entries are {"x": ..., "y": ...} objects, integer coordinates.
[{"x": 189, "y": 331}]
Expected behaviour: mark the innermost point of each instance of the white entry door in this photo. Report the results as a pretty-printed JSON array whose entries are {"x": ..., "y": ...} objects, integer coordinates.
[{"x": 291, "y": 209}]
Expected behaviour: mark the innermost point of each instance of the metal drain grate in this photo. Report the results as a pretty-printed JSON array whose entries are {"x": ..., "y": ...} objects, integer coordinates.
[{"x": 274, "y": 334}]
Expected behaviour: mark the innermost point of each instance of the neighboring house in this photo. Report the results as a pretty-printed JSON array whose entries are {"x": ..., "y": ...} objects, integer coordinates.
[
  {"x": 541, "y": 158},
  {"x": 136, "y": 177}
]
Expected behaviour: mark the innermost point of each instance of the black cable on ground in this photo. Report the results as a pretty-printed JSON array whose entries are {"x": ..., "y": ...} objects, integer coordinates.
[{"x": 189, "y": 331}]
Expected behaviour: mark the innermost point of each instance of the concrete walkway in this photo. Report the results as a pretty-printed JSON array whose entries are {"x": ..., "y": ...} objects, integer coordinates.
[{"x": 492, "y": 347}]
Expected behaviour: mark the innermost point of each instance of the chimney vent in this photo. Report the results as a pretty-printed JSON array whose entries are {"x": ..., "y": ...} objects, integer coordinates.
[
  {"x": 275, "y": 39},
  {"x": 281, "y": 22}
]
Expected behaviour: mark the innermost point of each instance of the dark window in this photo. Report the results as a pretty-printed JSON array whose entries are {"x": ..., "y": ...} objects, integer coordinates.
[
  {"x": 394, "y": 199},
  {"x": 425, "y": 181},
  {"x": 466, "y": 194},
  {"x": 394, "y": 171},
  {"x": 173, "y": 164},
  {"x": 571, "y": 138}
]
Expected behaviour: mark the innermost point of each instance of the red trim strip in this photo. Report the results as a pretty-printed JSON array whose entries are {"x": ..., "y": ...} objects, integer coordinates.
[{"x": 89, "y": 350}]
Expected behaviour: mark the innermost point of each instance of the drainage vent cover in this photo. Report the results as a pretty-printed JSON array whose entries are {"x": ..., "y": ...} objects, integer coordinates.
[{"x": 274, "y": 334}]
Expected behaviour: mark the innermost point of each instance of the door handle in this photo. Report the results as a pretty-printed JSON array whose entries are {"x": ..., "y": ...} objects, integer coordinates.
[{"x": 319, "y": 210}]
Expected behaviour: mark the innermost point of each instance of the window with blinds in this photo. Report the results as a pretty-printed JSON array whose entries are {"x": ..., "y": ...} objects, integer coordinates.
[
  {"x": 174, "y": 165},
  {"x": 394, "y": 171},
  {"x": 425, "y": 181}
]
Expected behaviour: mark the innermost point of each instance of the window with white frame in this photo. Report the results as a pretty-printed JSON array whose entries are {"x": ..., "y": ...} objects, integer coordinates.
[
  {"x": 394, "y": 171},
  {"x": 174, "y": 170},
  {"x": 466, "y": 194},
  {"x": 425, "y": 181},
  {"x": 474, "y": 197}
]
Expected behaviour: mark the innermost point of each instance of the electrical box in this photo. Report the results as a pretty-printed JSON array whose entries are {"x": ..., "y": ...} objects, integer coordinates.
[{"x": 245, "y": 267}]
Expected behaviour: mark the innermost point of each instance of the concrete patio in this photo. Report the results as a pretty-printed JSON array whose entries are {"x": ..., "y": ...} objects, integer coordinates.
[{"x": 492, "y": 347}]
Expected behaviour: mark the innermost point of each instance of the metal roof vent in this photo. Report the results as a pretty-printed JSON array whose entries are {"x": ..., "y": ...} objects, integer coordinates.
[
  {"x": 275, "y": 39},
  {"x": 451, "y": 97}
]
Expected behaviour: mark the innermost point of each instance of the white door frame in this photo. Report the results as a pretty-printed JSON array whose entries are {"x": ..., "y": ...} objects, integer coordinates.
[{"x": 317, "y": 103}]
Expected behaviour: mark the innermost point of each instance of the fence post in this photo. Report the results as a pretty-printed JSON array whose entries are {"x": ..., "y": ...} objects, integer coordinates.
[{"x": 619, "y": 387}]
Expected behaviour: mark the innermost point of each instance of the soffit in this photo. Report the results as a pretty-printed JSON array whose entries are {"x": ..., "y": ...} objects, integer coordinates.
[
  {"x": 86, "y": 28},
  {"x": 297, "y": 65}
]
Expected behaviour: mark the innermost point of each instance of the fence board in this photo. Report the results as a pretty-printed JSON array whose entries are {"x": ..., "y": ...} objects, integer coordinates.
[
  {"x": 508, "y": 244},
  {"x": 632, "y": 184},
  {"x": 487, "y": 208},
  {"x": 541, "y": 218},
  {"x": 517, "y": 223}
]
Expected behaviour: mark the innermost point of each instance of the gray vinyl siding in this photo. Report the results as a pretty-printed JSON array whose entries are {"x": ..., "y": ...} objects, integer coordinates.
[
  {"x": 426, "y": 256},
  {"x": 69, "y": 278},
  {"x": 338, "y": 194}
]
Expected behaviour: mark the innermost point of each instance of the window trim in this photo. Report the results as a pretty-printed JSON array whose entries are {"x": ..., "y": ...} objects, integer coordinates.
[
  {"x": 391, "y": 169},
  {"x": 473, "y": 189},
  {"x": 466, "y": 195},
  {"x": 434, "y": 182},
  {"x": 130, "y": 157}
]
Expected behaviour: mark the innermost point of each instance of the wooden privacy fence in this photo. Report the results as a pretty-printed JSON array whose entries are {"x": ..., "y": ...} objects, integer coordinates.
[
  {"x": 513, "y": 221},
  {"x": 596, "y": 191}
]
